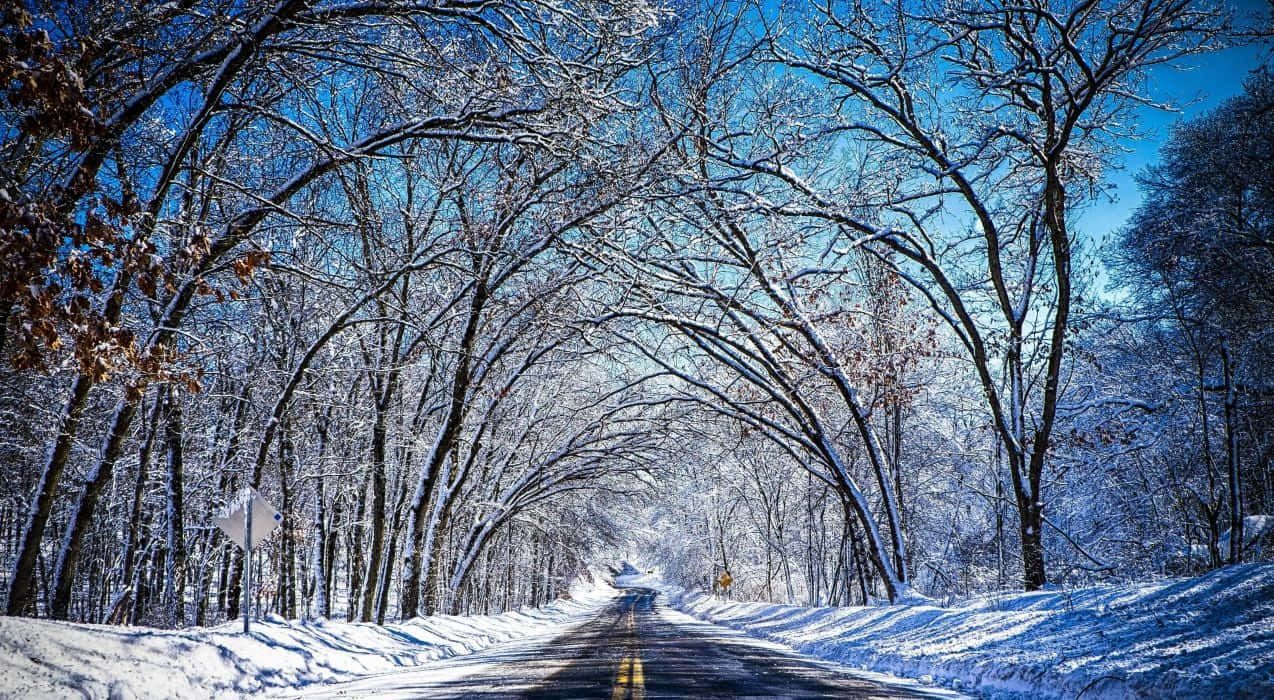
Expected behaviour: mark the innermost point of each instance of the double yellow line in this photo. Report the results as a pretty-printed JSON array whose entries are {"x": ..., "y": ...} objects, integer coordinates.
[{"x": 630, "y": 680}]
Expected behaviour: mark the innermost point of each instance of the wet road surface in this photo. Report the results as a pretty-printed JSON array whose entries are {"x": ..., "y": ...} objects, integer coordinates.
[{"x": 632, "y": 650}]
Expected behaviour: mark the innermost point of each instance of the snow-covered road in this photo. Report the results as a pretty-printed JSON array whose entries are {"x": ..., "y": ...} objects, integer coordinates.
[{"x": 634, "y": 648}]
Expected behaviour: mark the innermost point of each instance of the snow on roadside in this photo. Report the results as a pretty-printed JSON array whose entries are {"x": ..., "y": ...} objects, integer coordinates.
[
  {"x": 45, "y": 659},
  {"x": 1206, "y": 637}
]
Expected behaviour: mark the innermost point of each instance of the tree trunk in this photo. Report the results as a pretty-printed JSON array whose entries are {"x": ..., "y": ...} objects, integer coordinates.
[
  {"x": 287, "y": 568},
  {"x": 1232, "y": 457},
  {"x": 379, "y": 437},
  {"x": 329, "y": 559},
  {"x": 433, "y": 566},
  {"x": 206, "y": 566},
  {"x": 82, "y": 518},
  {"x": 320, "y": 564},
  {"x": 177, "y": 560},
  {"x": 447, "y": 435},
  {"x": 1030, "y": 523},
  {"x": 131, "y": 556},
  {"x": 382, "y": 600},
  {"x": 234, "y": 589},
  {"x": 354, "y": 559},
  {"x": 22, "y": 583},
  {"x": 141, "y": 596}
]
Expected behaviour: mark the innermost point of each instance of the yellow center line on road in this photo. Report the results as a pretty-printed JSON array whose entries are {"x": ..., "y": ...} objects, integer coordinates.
[{"x": 630, "y": 680}]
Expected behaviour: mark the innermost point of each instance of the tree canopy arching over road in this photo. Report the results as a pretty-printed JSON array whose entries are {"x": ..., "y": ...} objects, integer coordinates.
[{"x": 475, "y": 292}]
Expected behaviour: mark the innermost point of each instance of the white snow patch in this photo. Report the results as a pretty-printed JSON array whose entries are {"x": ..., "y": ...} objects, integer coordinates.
[
  {"x": 1207, "y": 637},
  {"x": 42, "y": 658}
]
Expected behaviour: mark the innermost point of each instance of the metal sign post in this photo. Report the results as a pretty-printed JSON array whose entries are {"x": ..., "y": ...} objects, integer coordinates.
[
  {"x": 247, "y": 568},
  {"x": 248, "y": 530}
]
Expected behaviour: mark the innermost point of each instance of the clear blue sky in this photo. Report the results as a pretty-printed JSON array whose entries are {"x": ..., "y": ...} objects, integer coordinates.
[{"x": 1196, "y": 86}]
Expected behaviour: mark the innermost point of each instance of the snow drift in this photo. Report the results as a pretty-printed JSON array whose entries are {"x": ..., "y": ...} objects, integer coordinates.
[
  {"x": 1206, "y": 637},
  {"x": 41, "y": 658}
]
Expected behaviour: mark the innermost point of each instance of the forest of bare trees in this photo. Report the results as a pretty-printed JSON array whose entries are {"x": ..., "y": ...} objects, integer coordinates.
[{"x": 479, "y": 294}]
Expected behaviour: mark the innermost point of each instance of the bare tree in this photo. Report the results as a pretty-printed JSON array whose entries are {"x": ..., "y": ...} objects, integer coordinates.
[{"x": 996, "y": 122}]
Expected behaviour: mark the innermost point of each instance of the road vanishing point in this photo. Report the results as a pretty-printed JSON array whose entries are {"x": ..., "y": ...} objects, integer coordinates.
[{"x": 633, "y": 649}]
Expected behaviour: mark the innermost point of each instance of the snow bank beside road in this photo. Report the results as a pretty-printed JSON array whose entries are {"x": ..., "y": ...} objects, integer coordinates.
[
  {"x": 1207, "y": 637},
  {"x": 40, "y": 658}
]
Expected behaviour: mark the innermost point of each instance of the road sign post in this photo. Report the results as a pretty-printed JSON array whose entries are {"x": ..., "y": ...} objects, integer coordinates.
[
  {"x": 248, "y": 529},
  {"x": 247, "y": 568}
]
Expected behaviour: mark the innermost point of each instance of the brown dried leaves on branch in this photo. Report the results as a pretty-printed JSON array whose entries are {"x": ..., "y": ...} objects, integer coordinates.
[
  {"x": 62, "y": 244},
  {"x": 50, "y": 263},
  {"x": 42, "y": 84}
]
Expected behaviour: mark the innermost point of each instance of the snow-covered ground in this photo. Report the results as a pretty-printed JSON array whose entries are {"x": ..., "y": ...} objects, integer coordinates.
[
  {"x": 1206, "y": 637},
  {"x": 44, "y": 659}
]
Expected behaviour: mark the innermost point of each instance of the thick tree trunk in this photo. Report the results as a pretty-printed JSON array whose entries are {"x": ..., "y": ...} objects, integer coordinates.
[
  {"x": 177, "y": 560},
  {"x": 158, "y": 580},
  {"x": 22, "y": 583},
  {"x": 82, "y": 517},
  {"x": 318, "y": 569},
  {"x": 1032, "y": 550},
  {"x": 1031, "y": 501},
  {"x": 379, "y": 437}
]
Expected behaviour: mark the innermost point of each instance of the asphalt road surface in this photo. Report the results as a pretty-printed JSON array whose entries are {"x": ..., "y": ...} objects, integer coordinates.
[{"x": 632, "y": 650}]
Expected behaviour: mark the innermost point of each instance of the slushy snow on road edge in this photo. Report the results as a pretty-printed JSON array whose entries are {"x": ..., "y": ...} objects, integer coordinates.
[
  {"x": 1205, "y": 637},
  {"x": 41, "y": 658}
]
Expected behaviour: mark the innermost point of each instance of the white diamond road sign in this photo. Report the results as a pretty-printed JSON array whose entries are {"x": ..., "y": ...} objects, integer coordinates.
[{"x": 264, "y": 518}]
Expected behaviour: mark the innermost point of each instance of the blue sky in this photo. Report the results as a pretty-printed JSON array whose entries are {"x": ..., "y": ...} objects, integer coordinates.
[{"x": 1196, "y": 86}]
